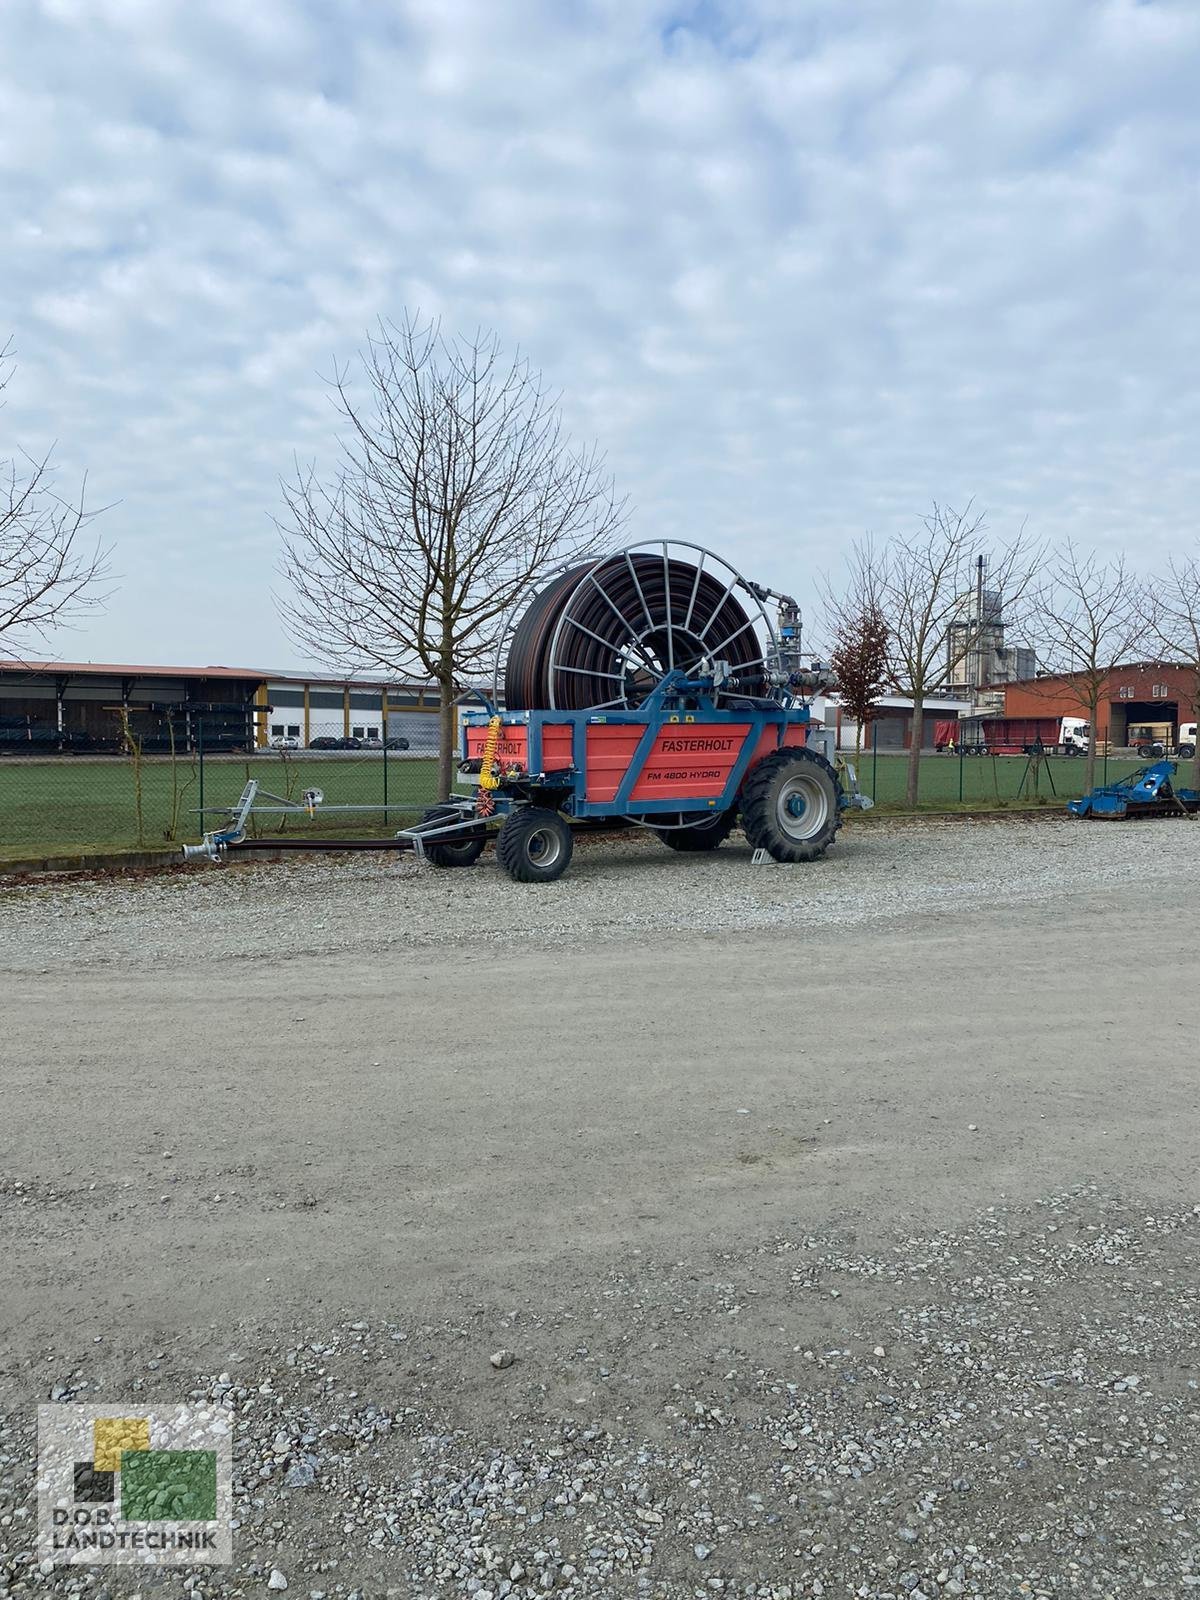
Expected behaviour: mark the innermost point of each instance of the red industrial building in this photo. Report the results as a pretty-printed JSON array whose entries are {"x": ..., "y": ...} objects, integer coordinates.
[{"x": 1143, "y": 693}]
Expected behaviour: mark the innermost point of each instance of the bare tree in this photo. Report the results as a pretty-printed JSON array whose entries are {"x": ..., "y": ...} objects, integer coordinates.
[
  {"x": 860, "y": 662},
  {"x": 1085, "y": 620},
  {"x": 456, "y": 494},
  {"x": 923, "y": 586},
  {"x": 1170, "y": 608},
  {"x": 49, "y": 574}
]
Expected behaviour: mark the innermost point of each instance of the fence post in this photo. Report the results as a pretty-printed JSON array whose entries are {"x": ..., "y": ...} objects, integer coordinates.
[
  {"x": 200, "y": 764},
  {"x": 385, "y": 794},
  {"x": 960, "y": 771},
  {"x": 875, "y": 761}
]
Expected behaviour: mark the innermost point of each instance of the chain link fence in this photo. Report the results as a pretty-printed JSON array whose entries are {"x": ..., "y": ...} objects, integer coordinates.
[
  {"x": 144, "y": 780},
  {"x": 950, "y": 780}
]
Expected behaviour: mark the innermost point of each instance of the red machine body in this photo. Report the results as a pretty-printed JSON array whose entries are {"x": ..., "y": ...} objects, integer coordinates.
[{"x": 687, "y": 761}]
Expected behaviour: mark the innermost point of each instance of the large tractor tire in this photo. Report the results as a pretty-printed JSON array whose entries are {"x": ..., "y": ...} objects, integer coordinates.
[
  {"x": 705, "y": 834},
  {"x": 791, "y": 805},
  {"x": 464, "y": 854},
  {"x": 534, "y": 845}
]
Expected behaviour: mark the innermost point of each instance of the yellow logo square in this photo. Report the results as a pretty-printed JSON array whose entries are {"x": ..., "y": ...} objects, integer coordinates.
[{"x": 111, "y": 1435}]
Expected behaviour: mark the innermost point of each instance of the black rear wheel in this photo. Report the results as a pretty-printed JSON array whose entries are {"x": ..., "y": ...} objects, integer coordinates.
[
  {"x": 791, "y": 804},
  {"x": 463, "y": 852},
  {"x": 706, "y": 833},
  {"x": 534, "y": 845}
]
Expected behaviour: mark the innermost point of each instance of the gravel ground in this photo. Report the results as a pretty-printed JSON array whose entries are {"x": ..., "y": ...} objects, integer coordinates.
[
  {"x": 615, "y": 889},
  {"x": 898, "y": 1300},
  {"x": 1006, "y": 1409}
]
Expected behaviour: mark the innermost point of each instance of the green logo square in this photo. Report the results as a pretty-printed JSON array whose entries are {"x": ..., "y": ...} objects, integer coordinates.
[{"x": 169, "y": 1485}]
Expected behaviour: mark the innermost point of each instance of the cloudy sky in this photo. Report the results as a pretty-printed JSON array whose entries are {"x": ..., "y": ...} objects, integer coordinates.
[{"x": 797, "y": 269}]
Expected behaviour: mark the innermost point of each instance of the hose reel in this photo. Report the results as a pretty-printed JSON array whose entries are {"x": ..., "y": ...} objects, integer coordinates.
[{"x": 604, "y": 634}]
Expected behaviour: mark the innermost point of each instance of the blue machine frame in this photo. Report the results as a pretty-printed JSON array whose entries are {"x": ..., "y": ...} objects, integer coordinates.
[
  {"x": 1148, "y": 792},
  {"x": 676, "y": 699}
]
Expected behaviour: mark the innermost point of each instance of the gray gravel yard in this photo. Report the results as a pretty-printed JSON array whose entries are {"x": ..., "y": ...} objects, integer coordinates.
[
  {"x": 683, "y": 1228},
  {"x": 616, "y": 889}
]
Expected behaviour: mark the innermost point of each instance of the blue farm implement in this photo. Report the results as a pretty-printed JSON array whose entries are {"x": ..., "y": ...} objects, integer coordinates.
[{"x": 1147, "y": 793}]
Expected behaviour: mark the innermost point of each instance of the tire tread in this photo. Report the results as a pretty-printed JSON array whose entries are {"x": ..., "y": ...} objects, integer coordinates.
[
  {"x": 758, "y": 819},
  {"x": 512, "y": 844}
]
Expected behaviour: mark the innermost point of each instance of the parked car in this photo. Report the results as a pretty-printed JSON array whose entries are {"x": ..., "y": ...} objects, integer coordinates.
[
  {"x": 396, "y": 742},
  {"x": 325, "y": 742},
  {"x": 349, "y": 743},
  {"x": 285, "y": 741}
]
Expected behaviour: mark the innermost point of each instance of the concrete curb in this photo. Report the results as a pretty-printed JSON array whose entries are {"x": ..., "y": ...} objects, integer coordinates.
[{"x": 112, "y": 861}]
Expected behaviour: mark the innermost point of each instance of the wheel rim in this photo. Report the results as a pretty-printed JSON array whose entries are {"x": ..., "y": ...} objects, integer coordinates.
[
  {"x": 802, "y": 807},
  {"x": 543, "y": 847}
]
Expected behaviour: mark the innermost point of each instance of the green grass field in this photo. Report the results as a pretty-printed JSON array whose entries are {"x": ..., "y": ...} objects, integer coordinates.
[
  {"x": 73, "y": 805},
  {"x": 981, "y": 782}
]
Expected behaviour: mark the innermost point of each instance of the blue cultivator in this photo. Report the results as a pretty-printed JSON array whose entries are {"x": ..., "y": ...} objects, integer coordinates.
[{"x": 1148, "y": 793}]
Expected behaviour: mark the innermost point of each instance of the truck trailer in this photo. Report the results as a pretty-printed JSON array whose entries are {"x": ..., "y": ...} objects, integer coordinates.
[{"x": 1013, "y": 736}]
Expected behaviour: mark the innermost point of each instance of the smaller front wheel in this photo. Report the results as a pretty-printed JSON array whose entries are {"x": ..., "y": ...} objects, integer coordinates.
[
  {"x": 534, "y": 845},
  {"x": 1186, "y": 752},
  {"x": 465, "y": 850}
]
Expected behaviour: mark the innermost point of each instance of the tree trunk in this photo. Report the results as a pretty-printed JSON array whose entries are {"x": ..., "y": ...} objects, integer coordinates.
[
  {"x": 916, "y": 739},
  {"x": 447, "y": 753}
]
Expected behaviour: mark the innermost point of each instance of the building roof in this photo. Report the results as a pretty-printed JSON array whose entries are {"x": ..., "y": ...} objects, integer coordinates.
[
  {"x": 367, "y": 680},
  {"x": 109, "y": 669},
  {"x": 1047, "y": 675},
  {"x": 113, "y": 669}
]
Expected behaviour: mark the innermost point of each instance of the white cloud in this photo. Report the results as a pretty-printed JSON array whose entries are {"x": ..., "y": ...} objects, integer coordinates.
[{"x": 798, "y": 270}]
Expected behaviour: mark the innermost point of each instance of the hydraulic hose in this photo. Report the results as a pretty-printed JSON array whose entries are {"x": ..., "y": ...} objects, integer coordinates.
[{"x": 606, "y": 635}]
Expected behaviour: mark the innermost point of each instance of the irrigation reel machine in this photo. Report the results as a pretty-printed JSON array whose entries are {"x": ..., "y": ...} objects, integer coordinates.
[{"x": 650, "y": 686}]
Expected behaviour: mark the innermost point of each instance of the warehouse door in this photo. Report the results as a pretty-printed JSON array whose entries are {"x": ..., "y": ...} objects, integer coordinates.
[
  {"x": 1160, "y": 715},
  {"x": 887, "y": 733}
]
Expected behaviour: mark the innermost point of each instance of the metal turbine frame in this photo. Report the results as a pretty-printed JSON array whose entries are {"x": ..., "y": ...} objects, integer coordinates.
[
  {"x": 721, "y": 574},
  {"x": 736, "y": 580},
  {"x": 706, "y": 561}
]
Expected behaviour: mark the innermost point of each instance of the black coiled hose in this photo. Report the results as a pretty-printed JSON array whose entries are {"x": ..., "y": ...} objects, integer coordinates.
[{"x": 621, "y": 626}]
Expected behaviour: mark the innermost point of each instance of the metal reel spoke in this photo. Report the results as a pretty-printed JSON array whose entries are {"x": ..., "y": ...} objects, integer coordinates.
[{"x": 629, "y": 619}]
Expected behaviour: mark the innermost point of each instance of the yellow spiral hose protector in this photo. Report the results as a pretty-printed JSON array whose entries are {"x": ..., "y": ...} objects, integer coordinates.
[{"x": 488, "y": 777}]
